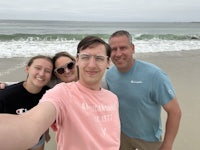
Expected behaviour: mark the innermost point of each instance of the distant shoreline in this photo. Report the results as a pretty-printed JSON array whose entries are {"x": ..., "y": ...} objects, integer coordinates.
[{"x": 3, "y": 19}]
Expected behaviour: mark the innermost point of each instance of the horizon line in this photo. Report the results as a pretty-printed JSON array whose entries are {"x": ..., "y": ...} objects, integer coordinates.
[{"x": 100, "y": 21}]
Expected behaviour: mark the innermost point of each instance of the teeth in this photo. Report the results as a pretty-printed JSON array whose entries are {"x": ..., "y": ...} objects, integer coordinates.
[{"x": 38, "y": 78}]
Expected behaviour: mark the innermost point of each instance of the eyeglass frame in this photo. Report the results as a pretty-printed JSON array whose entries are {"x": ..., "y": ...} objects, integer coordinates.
[
  {"x": 65, "y": 66},
  {"x": 95, "y": 58}
]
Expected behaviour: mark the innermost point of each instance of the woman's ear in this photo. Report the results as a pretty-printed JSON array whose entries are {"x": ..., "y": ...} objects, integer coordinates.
[{"x": 27, "y": 69}]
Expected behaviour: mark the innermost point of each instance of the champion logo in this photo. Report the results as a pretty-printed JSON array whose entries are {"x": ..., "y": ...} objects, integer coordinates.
[
  {"x": 170, "y": 92},
  {"x": 136, "y": 81},
  {"x": 21, "y": 111}
]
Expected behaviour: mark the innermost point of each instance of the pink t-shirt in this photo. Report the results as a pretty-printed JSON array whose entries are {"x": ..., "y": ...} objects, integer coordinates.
[{"x": 86, "y": 119}]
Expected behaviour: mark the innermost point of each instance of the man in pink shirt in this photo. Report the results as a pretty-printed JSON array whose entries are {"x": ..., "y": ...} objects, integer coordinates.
[{"x": 84, "y": 115}]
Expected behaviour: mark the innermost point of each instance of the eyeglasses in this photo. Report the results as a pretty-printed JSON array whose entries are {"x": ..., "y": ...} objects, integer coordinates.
[
  {"x": 99, "y": 59},
  {"x": 61, "y": 70}
]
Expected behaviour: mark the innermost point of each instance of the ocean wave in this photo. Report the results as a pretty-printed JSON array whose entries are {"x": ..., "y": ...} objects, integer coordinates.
[
  {"x": 46, "y": 37},
  {"x": 64, "y": 37},
  {"x": 167, "y": 37}
]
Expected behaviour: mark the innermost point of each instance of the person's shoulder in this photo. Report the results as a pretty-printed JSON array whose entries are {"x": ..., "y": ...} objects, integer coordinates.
[
  {"x": 13, "y": 88},
  {"x": 146, "y": 64},
  {"x": 67, "y": 83},
  {"x": 111, "y": 70},
  {"x": 46, "y": 87},
  {"x": 111, "y": 96},
  {"x": 108, "y": 92},
  {"x": 64, "y": 84}
]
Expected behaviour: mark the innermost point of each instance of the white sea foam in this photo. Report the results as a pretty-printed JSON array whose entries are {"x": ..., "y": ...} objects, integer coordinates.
[
  {"x": 28, "y": 49},
  {"x": 9, "y": 49},
  {"x": 165, "y": 45}
]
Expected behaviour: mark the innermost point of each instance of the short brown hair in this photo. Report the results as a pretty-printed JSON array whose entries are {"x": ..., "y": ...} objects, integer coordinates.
[{"x": 90, "y": 41}]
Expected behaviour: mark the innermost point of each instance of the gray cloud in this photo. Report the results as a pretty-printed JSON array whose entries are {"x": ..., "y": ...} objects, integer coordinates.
[{"x": 104, "y": 10}]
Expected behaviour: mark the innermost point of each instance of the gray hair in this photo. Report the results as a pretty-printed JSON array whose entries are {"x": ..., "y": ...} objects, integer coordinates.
[{"x": 122, "y": 33}]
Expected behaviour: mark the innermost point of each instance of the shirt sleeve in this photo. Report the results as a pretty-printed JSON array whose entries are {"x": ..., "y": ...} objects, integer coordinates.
[
  {"x": 56, "y": 96},
  {"x": 162, "y": 88}
]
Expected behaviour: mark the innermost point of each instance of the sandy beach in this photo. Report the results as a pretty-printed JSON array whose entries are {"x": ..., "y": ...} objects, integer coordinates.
[{"x": 183, "y": 69}]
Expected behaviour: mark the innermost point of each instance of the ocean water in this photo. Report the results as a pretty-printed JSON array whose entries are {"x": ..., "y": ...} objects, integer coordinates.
[{"x": 25, "y": 38}]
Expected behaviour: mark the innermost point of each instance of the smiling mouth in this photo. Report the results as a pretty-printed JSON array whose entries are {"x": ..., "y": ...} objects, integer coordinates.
[
  {"x": 91, "y": 73},
  {"x": 40, "y": 79},
  {"x": 119, "y": 61}
]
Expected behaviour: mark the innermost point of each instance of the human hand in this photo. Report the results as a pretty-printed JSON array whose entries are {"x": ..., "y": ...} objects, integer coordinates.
[{"x": 2, "y": 85}]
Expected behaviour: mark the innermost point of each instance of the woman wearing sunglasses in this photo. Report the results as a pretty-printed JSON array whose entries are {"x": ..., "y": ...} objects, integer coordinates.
[{"x": 65, "y": 69}]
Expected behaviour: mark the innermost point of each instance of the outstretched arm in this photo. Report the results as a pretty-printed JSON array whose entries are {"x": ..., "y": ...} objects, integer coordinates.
[
  {"x": 172, "y": 124},
  {"x": 23, "y": 131}
]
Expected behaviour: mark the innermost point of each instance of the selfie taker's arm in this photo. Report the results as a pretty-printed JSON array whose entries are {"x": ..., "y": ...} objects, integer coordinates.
[{"x": 23, "y": 131}]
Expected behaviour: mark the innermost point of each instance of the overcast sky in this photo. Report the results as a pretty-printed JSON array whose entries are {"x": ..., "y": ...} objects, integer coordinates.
[{"x": 102, "y": 10}]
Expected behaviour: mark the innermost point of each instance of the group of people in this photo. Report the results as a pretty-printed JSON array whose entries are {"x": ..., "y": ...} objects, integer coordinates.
[{"x": 83, "y": 114}]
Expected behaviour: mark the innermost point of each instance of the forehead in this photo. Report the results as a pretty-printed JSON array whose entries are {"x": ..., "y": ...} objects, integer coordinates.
[
  {"x": 42, "y": 62},
  {"x": 95, "y": 50},
  {"x": 62, "y": 60},
  {"x": 119, "y": 40},
  {"x": 39, "y": 60}
]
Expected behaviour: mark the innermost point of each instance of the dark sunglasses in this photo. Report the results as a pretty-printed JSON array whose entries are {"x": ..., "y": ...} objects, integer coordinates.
[{"x": 69, "y": 66}]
